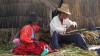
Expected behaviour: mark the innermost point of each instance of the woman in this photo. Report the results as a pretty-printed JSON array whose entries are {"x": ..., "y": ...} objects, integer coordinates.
[
  {"x": 27, "y": 34},
  {"x": 28, "y": 43}
]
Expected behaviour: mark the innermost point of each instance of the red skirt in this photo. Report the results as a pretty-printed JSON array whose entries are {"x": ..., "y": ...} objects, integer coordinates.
[{"x": 34, "y": 48}]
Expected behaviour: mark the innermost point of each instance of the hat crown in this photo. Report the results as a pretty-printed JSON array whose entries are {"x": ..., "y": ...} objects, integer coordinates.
[
  {"x": 32, "y": 14},
  {"x": 33, "y": 17},
  {"x": 64, "y": 8}
]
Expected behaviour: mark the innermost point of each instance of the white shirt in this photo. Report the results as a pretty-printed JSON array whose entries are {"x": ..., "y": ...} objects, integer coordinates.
[{"x": 55, "y": 25}]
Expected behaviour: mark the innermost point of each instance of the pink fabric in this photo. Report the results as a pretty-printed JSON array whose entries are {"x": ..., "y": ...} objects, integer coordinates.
[{"x": 16, "y": 40}]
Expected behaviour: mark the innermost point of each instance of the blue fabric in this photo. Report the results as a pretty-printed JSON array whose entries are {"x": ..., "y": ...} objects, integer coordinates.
[
  {"x": 55, "y": 38},
  {"x": 99, "y": 38},
  {"x": 91, "y": 28},
  {"x": 32, "y": 36},
  {"x": 10, "y": 50},
  {"x": 17, "y": 44},
  {"x": 98, "y": 51},
  {"x": 74, "y": 38},
  {"x": 45, "y": 51}
]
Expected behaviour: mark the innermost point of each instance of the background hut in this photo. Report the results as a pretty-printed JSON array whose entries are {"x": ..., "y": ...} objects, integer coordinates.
[{"x": 13, "y": 13}]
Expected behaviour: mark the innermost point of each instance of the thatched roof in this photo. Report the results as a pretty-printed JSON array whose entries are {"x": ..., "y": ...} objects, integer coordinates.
[{"x": 52, "y": 4}]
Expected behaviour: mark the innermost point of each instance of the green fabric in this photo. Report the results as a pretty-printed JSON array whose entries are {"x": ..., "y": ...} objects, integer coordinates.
[{"x": 45, "y": 51}]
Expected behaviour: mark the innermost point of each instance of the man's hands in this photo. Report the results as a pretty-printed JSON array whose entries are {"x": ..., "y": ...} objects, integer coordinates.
[
  {"x": 70, "y": 28},
  {"x": 73, "y": 26}
]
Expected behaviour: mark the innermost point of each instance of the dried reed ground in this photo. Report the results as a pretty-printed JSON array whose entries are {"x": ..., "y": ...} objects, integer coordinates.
[{"x": 65, "y": 50}]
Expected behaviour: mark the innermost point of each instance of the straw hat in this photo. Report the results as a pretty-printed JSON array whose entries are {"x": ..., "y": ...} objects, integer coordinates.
[{"x": 64, "y": 8}]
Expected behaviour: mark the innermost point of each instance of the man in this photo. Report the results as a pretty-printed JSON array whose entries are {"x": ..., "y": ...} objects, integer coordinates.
[{"x": 60, "y": 24}]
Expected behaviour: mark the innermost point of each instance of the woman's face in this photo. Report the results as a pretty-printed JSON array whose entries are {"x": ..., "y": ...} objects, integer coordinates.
[{"x": 34, "y": 22}]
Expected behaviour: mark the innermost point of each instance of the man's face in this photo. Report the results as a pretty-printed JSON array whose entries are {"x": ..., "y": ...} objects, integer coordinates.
[{"x": 64, "y": 15}]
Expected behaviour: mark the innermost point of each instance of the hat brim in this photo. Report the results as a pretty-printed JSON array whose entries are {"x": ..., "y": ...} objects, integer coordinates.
[
  {"x": 64, "y": 11},
  {"x": 33, "y": 19}
]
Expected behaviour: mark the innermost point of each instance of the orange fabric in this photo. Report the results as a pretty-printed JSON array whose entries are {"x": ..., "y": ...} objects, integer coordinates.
[{"x": 26, "y": 33}]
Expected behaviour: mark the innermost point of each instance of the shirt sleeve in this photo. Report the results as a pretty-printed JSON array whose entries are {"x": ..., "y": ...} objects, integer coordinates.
[
  {"x": 69, "y": 23},
  {"x": 54, "y": 25},
  {"x": 25, "y": 36}
]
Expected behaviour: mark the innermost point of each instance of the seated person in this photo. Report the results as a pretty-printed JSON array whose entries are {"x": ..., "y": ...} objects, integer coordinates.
[
  {"x": 28, "y": 43},
  {"x": 60, "y": 24}
]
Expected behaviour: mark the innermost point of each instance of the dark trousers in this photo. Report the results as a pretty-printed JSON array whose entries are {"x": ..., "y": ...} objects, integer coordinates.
[{"x": 74, "y": 38}]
